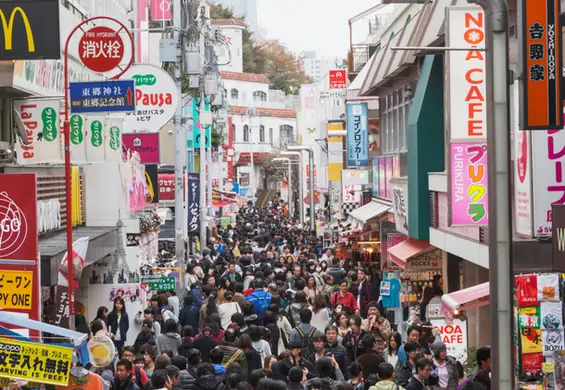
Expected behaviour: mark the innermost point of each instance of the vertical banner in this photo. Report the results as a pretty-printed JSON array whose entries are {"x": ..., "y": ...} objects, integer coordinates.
[
  {"x": 335, "y": 151},
  {"x": 95, "y": 147},
  {"x": 113, "y": 139},
  {"x": 196, "y": 123},
  {"x": 78, "y": 126},
  {"x": 375, "y": 172},
  {"x": 467, "y": 113},
  {"x": 357, "y": 135},
  {"x": 539, "y": 34},
  {"x": 193, "y": 204},
  {"x": 523, "y": 211},
  {"x": 152, "y": 180}
]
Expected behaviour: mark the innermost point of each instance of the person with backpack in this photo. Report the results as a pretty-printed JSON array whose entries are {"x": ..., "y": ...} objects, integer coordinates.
[
  {"x": 260, "y": 298},
  {"x": 304, "y": 333},
  {"x": 139, "y": 376}
]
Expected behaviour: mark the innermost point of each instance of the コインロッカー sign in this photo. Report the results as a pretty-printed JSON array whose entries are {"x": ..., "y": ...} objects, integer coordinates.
[
  {"x": 541, "y": 95},
  {"x": 30, "y": 30}
]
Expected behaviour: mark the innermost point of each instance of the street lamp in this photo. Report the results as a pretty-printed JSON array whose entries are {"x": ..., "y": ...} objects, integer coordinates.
[
  {"x": 289, "y": 161},
  {"x": 300, "y": 184},
  {"x": 311, "y": 162}
]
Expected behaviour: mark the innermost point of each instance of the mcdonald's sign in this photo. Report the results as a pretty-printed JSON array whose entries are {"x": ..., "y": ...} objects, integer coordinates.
[{"x": 30, "y": 30}]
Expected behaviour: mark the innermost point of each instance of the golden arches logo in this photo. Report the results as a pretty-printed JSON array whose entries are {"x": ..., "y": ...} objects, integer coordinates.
[{"x": 8, "y": 26}]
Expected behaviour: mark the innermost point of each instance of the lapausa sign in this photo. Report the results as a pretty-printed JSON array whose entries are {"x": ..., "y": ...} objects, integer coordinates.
[
  {"x": 357, "y": 135},
  {"x": 30, "y": 30}
]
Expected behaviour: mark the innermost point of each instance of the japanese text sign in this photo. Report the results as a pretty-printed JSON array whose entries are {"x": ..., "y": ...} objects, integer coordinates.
[
  {"x": 193, "y": 203},
  {"x": 101, "y": 49},
  {"x": 160, "y": 10},
  {"x": 16, "y": 289},
  {"x": 541, "y": 95},
  {"x": 196, "y": 123},
  {"x": 160, "y": 283},
  {"x": 146, "y": 144},
  {"x": 468, "y": 184},
  {"x": 357, "y": 135},
  {"x": 166, "y": 186},
  {"x": 350, "y": 195},
  {"x": 35, "y": 362},
  {"x": 102, "y": 96},
  {"x": 338, "y": 79}
]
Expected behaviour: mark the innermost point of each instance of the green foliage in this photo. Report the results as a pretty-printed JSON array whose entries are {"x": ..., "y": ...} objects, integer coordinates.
[{"x": 471, "y": 361}]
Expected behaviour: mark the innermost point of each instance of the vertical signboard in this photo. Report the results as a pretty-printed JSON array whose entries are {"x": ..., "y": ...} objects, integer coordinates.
[
  {"x": 193, "y": 204},
  {"x": 357, "y": 135},
  {"x": 335, "y": 151},
  {"x": 386, "y": 228},
  {"x": 19, "y": 270},
  {"x": 558, "y": 237},
  {"x": 196, "y": 123},
  {"x": 338, "y": 79},
  {"x": 541, "y": 95},
  {"x": 467, "y": 113}
]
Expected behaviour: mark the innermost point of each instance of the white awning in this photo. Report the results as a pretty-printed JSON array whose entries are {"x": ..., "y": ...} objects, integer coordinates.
[
  {"x": 461, "y": 298},
  {"x": 369, "y": 211}
]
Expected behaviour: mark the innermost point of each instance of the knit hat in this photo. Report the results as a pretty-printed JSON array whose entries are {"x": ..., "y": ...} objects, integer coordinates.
[{"x": 437, "y": 347}]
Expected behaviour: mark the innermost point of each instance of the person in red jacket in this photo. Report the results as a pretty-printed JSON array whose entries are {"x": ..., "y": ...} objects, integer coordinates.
[{"x": 345, "y": 298}]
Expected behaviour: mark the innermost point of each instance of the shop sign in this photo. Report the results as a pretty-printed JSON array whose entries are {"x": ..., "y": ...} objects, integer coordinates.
[
  {"x": 160, "y": 10},
  {"x": 40, "y": 118},
  {"x": 454, "y": 336},
  {"x": 468, "y": 184},
  {"x": 400, "y": 204},
  {"x": 540, "y": 33},
  {"x": 357, "y": 135},
  {"x": 558, "y": 236},
  {"x": 196, "y": 123},
  {"x": 42, "y": 363},
  {"x": 385, "y": 228},
  {"x": 48, "y": 215},
  {"x": 338, "y": 79},
  {"x": 350, "y": 194},
  {"x": 426, "y": 261},
  {"x": 159, "y": 283},
  {"x": 193, "y": 203},
  {"x": 113, "y": 130},
  {"x": 151, "y": 173},
  {"x": 166, "y": 186},
  {"x": 156, "y": 99},
  {"x": 95, "y": 139},
  {"x": 16, "y": 289},
  {"x": 146, "y": 144},
  {"x": 354, "y": 177}
]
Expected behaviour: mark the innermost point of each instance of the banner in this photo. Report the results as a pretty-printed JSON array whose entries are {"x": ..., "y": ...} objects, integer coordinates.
[
  {"x": 193, "y": 204},
  {"x": 95, "y": 146},
  {"x": 151, "y": 177},
  {"x": 78, "y": 127},
  {"x": 42, "y": 363},
  {"x": 40, "y": 122},
  {"x": 113, "y": 139},
  {"x": 357, "y": 135}
]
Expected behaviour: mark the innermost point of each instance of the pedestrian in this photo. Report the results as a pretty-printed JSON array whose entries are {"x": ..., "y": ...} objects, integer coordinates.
[
  {"x": 118, "y": 323},
  {"x": 170, "y": 339},
  {"x": 423, "y": 372}
]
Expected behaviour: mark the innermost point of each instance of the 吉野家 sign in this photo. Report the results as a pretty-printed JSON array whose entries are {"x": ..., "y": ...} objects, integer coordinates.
[
  {"x": 338, "y": 79},
  {"x": 357, "y": 135},
  {"x": 30, "y": 30},
  {"x": 541, "y": 95},
  {"x": 35, "y": 362},
  {"x": 160, "y": 283},
  {"x": 16, "y": 289},
  {"x": 102, "y": 96}
]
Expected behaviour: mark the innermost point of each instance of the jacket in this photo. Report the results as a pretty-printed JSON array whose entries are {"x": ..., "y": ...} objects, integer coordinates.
[
  {"x": 341, "y": 357},
  {"x": 256, "y": 298},
  {"x": 404, "y": 373},
  {"x": 365, "y": 294},
  {"x": 129, "y": 385},
  {"x": 122, "y": 326},
  {"x": 306, "y": 329},
  {"x": 347, "y": 300},
  {"x": 452, "y": 371},
  {"x": 415, "y": 384},
  {"x": 370, "y": 360},
  {"x": 281, "y": 368},
  {"x": 143, "y": 338},
  {"x": 333, "y": 383},
  {"x": 382, "y": 327},
  {"x": 386, "y": 385},
  {"x": 294, "y": 314},
  {"x": 204, "y": 344},
  {"x": 197, "y": 294},
  {"x": 208, "y": 382},
  {"x": 186, "y": 345},
  {"x": 233, "y": 354},
  {"x": 353, "y": 344},
  {"x": 186, "y": 381},
  {"x": 190, "y": 315},
  {"x": 168, "y": 342}
]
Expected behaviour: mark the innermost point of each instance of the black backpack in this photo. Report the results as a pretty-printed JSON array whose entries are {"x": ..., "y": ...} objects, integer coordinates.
[{"x": 307, "y": 345}]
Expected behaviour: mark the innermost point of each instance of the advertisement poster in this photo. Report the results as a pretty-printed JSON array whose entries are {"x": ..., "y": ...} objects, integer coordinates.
[
  {"x": 357, "y": 135},
  {"x": 193, "y": 203},
  {"x": 146, "y": 144},
  {"x": 454, "y": 336}
]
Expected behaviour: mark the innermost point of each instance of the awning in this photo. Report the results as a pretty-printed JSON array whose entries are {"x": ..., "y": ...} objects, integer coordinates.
[
  {"x": 464, "y": 299},
  {"x": 404, "y": 251},
  {"x": 369, "y": 211}
]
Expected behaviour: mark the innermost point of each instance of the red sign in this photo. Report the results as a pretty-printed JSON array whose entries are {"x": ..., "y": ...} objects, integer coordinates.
[
  {"x": 101, "y": 49},
  {"x": 338, "y": 79},
  {"x": 166, "y": 186},
  {"x": 146, "y": 144},
  {"x": 18, "y": 236},
  {"x": 160, "y": 10}
]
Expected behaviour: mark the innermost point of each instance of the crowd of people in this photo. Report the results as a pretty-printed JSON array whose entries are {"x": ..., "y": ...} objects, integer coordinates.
[{"x": 266, "y": 307}]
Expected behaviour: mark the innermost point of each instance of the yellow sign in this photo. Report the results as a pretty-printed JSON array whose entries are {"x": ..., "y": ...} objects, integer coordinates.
[
  {"x": 16, "y": 289},
  {"x": 9, "y": 26},
  {"x": 547, "y": 367},
  {"x": 35, "y": 362}
]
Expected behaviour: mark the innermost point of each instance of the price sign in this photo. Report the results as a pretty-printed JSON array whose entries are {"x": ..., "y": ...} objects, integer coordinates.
[{"x": 160, "y": 283}]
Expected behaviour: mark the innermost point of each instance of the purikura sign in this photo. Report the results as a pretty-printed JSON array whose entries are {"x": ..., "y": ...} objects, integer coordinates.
[
  {"x": 467, "y": 116},
  {"x": 156, "y": 99},
  {"x": 454, "y": 336}
]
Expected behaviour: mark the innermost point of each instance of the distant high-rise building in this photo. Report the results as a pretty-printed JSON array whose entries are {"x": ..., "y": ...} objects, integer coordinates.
[
  {"x": 245, "y": 8},
  {"x": 315, "y": 67}
]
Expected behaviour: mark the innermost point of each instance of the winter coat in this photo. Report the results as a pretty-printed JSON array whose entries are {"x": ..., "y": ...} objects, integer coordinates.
[
  {"x": 386, "y": 385},
  {"x": 370, "y": 360},
  {"x": 205, "y": 344},
  {"x": 333, "y": 383},
  {"x": 365, "y": 293},
  {"x": 168, "y": 342},
  {"x": 341, "y": 357},
  {"x": 415, "y": 384},
  {"x": 208, "y": 382},
  {"x": 143, "y": 338},
  {"x": 122, "y": 326},
  {"x": 404, "y": 373},
  {"x": 453, "y": 373},
  {"x": 190, "y": 315},
  {"x": 263, "y": 348},
  {"x": 353, "y": 344}
]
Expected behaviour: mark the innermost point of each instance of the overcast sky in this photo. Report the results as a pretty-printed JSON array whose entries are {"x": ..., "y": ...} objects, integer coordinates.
[{"x": 319, "y": 25}]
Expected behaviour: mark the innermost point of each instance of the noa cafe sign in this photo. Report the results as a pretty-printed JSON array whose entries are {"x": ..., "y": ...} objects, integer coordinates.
[
  {"x": 454, "y": 336},
  {"x": 156, "y": 99}
]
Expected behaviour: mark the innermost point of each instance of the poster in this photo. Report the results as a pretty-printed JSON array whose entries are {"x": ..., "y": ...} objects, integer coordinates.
[
  {"x": 529, "y": 317},
  {"x": 530, "y": 339},
  {"x": 454, "y": 336},
  {"x": 130, "y": 293}
]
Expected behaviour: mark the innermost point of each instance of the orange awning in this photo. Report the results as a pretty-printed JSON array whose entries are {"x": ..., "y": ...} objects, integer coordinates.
[{"x": 404, "y": 251}]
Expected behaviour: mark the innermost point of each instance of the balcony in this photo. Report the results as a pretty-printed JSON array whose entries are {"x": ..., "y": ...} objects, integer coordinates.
[{"x": 282, "y": 142}]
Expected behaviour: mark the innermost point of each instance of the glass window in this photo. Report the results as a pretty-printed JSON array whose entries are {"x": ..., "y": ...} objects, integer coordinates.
[
  {"x": 245, "y": 133},
  {"x": 233, "y": 133},
  {"x": 260, "y": 96},
  {"x": 234, "y": 94},
  {"x": 262, "y": 133},
  {"x": 286, "y": 132},
  {"x": 271, "y": 135}
]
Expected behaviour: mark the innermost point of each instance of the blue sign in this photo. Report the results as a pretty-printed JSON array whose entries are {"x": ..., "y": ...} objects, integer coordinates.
[
  {"x": 102, "y": 96},
  {"x": 196, "y": 123},
  {"x": 357, "y": 135}
]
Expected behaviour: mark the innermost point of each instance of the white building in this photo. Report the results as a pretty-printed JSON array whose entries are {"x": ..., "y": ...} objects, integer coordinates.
[
  {"x": 230, "y": 54},
  {"x": 315, "y": 67}
]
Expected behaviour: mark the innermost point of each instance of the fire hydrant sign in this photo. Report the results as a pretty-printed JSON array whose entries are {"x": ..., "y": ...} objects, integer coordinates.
[
  {"x": 41, "y": 363},
  {"x": 16, "y": 289},
  {"x": 101, "y": 49},
  {"x": 454, "y": 336}
]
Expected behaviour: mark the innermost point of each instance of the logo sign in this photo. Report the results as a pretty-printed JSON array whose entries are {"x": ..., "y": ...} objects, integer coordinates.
[
  {"x": 468, "y": 183},
  {"x": 454, "y": 336},
  {"x": 160, "y": 10},
  {"x": 101, "y": 49},
  {"x": 102, "y": 96},
  {"x": 196, "y": 123},
  {"x": 426, "y": 261},
  {"x": 43, "y": 362},
  {"x": 166, "y": 186},
  {"x": 156, "y": 99},
  {"x": 193, "y": 203},
  {"x": 541, "y": 95},
  {"x": 16, "y": 289},
  {"x": 159, "y": 283},
  {"x": 338, "y": 79},
  {"x": 30, "y": 30},
  {"x": 146, "y": 144},
  {"x": 113, "y": 139},
  {"x": 357, "y": 135},
  {"x": 40, "y": 118},
  {"x": 558, "y": 236}
]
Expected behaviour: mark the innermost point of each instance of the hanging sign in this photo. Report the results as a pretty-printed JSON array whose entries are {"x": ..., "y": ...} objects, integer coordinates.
[
  {"x": 541, "y": 96},
  {"x": 146, "y": 144},
  {"x": 357, "y": 135},
  {"x": 159, "y": 283},
  {"x": 193, "y": 203},
  {"x": 338, "y": 79}
]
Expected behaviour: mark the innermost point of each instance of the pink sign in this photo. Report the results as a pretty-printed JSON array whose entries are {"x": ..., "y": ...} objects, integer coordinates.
[
  {"x": 146, "y": 144},
  {"x": 469, "y": 180},
  {"x": 160, "y": 10}
]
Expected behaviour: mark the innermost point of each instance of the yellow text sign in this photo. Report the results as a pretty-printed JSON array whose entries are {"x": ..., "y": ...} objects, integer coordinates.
[
  {"x": 35, "y": 362},
  {"x": 16, "y": 289}
]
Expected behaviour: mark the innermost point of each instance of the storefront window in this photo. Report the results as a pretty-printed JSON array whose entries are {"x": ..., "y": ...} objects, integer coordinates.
[{"x": 395, "y": 109}]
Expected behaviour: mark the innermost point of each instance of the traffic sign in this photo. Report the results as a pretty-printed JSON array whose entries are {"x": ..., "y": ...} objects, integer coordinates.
[{"x": 102, "y": 96}]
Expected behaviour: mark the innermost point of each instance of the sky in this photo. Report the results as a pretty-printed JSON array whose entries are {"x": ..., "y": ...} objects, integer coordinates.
[{"x": 317, "y": 25}]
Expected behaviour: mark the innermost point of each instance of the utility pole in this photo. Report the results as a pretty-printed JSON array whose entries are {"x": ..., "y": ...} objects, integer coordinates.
[
  {"x": 180, "y": 143},
  {"x": 203, "y": 213}
]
